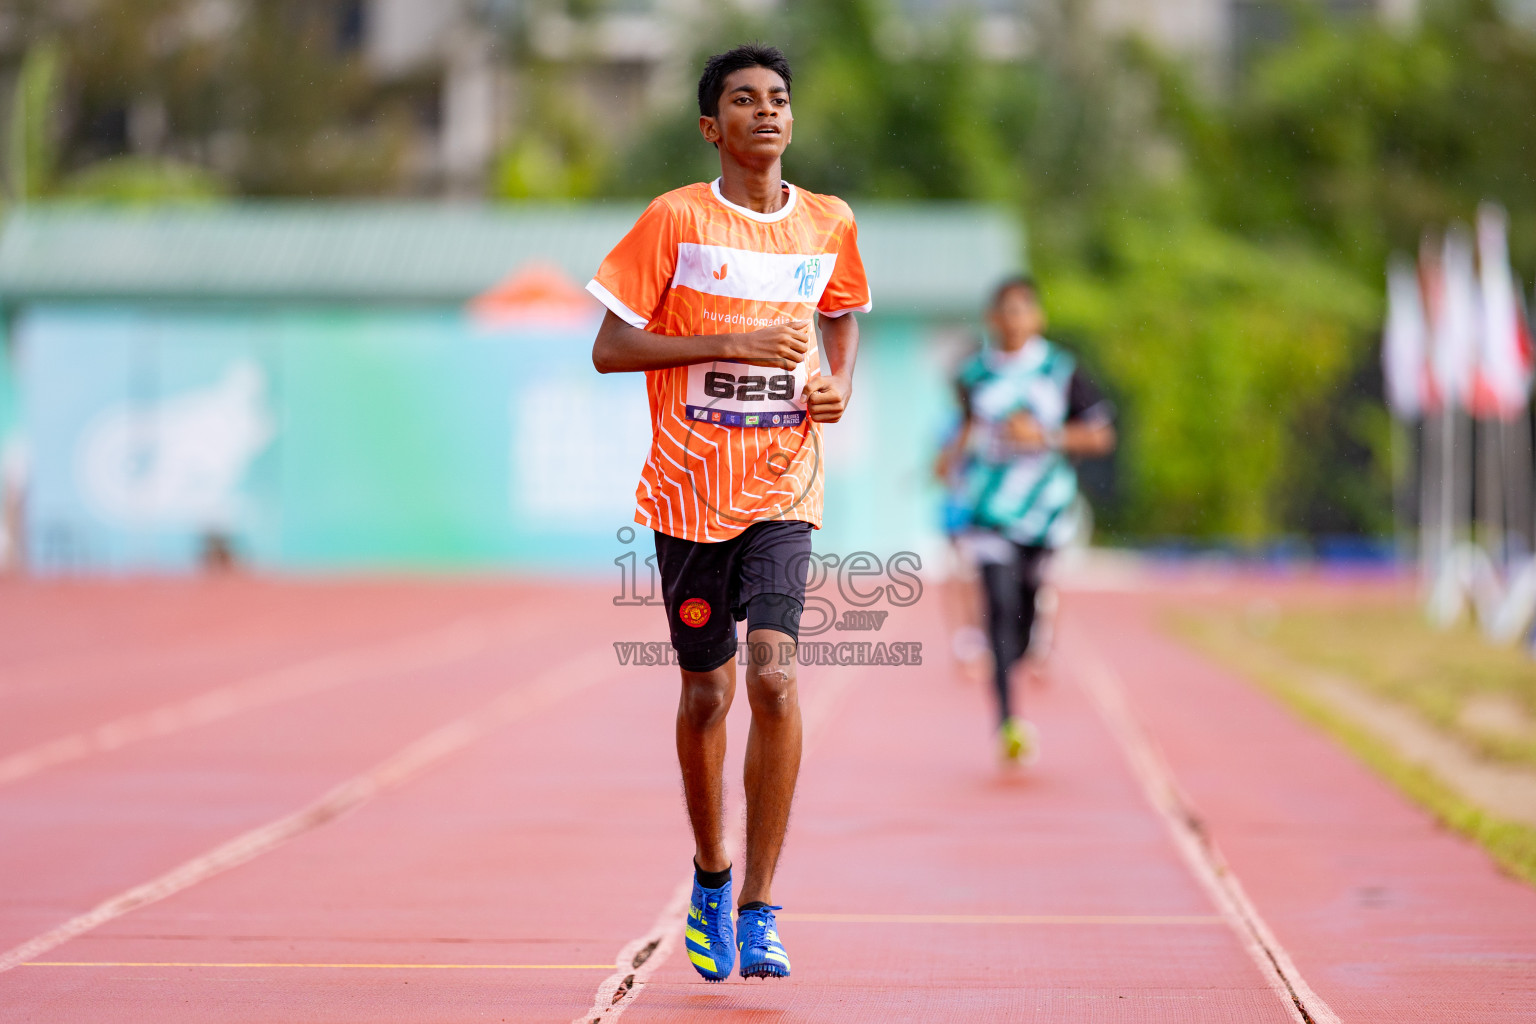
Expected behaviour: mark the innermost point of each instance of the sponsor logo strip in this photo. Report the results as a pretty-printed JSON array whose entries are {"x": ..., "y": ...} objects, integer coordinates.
[{"x": 727, "y": 418}]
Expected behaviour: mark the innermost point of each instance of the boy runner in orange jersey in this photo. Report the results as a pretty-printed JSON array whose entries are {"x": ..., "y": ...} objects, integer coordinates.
[{"x": 712, "y": 294}]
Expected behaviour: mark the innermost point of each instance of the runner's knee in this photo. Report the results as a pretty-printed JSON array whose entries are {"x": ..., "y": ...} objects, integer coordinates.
[
  {"x": 704, "y": 702},
  {"x": 771, "y": 688}
]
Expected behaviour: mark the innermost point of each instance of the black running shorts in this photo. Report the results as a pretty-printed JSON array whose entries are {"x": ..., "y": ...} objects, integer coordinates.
[{"x": 758, "y": 575}]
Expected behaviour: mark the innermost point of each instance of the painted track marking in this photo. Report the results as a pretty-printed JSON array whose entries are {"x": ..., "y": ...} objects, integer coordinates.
[
  {"x": 369, "y": 967},
  {"x": 429, "y": 649},
  {"x": 1197, "y": 848},
  {"x": 549, "y": 686}
]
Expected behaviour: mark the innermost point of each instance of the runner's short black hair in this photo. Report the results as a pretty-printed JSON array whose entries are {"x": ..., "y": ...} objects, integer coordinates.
[
  {"x": 1018, "y": 282},
  {"x": 747, "y": 55}
]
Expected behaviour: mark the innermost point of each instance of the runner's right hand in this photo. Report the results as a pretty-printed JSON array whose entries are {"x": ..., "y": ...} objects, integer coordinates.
[
  {"x": 1024, "y": 430},
  {"x": 782, "y": 345}
]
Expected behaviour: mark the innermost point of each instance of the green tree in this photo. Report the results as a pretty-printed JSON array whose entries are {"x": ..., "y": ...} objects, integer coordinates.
[
  {"x": 1221, "y": 353},
  {"x": 1215, "y": 257},
  {"x": 190, "y": 98},
  {"x": 1361, "y": 135},
  {"x": 32, "y": 148},
  {"x": 872, "y": 119}
]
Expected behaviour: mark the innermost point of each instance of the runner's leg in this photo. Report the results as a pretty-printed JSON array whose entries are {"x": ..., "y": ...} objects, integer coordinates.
[
  {"x": 701, "y": 711},
  {"x": 1003, "y": 593},
  {"x": 695, "y": 581},
  {"x": 773, "y": 756},
  {"x": 1031, "y": 568}
]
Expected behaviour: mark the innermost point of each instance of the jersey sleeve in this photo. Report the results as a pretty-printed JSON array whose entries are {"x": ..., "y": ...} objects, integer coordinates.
[
  {"x": 634, "y": 277},
  {"x": 966, "y": 378},
  {"x": 848, "y": 290},
  {"x": 1085, "y": 402}
]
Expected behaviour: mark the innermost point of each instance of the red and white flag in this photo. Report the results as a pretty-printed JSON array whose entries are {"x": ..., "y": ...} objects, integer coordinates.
[
  {"x": 1405, "y": 343},
  {"x": 1432, "y": 293},
  {"x": 1503, "y": 380}
]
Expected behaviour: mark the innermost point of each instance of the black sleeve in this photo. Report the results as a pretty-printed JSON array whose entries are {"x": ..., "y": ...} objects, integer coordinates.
[
  {"x": 1085, "y": 402},
  {"x": 963, "y": 398}
]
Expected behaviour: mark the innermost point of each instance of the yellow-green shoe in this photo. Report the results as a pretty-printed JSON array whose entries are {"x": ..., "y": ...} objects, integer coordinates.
[
  {"x": 1020, "y": 742},
  {"x": 757, "y": 936},
  {"x": 708, "y": 934}
]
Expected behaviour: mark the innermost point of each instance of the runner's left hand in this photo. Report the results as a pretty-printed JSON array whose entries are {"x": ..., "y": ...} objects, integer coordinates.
[{"x": 827, "y": 397}]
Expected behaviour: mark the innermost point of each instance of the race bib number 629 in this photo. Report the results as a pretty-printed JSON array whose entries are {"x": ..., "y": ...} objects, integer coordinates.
[{"x": 742, "y": 395}]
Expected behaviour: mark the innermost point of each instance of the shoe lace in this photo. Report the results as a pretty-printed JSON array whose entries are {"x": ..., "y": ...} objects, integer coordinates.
[
  {"x": 759, "y": 918},
  {"x": 709, "y": 920}
]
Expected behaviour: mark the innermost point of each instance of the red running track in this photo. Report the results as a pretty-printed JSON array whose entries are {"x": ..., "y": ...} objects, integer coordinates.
[{"x": 440, "y": 802}]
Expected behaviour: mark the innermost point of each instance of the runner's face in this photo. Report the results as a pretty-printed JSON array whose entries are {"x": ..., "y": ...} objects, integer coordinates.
[
  {"x": 754, "y": 122},
  {"x": 1016, "y": 318}
]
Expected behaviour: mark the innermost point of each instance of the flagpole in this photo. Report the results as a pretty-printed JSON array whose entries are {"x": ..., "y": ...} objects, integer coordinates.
[
  {"x": 1400, "y": 458},
  {"x": 1445, "y": 603},
  {"x": 1465, "y": 462},
  {"x": 1488, "y": 490},
  {"x": 1432, "y": 438},
  {"x": 1406, "y": 386},
  {"x": 1516, "y": 438}
]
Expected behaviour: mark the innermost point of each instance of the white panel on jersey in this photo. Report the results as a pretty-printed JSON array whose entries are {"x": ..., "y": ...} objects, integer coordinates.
[{"x": 758, "y": 276}]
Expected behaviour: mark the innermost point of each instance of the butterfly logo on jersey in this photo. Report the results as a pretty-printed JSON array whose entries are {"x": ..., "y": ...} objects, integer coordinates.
[
  {"x": 720, "y": 274},
  {"x": 694, "y": 612}
]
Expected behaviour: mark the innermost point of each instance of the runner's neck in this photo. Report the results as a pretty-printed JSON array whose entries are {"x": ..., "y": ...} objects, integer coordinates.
[
  {"x": 760, "y": 191},
  {"x": 1008, "y": 357}
]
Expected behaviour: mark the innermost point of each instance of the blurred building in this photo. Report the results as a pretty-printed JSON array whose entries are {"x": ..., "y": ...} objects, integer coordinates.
[
  {"x": 626, "y": 53},
  {"x": 447, "y": 86},
  {"x": 1216, "y": 32},
  {"x": 448, "y": 47},
  {"x": 478, "y": 54}
]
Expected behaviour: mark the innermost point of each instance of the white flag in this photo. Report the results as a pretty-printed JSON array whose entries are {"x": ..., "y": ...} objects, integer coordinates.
[
  {"x": 1459, "y": 323},
  {"x": 1504, "y": 352},
  {"x": 1404, "y": 342}
]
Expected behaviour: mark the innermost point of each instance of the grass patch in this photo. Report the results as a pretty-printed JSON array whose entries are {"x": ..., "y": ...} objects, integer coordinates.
[
  {"x": 1387, "y": 648},
  {"x": 1446, "y": 676}
]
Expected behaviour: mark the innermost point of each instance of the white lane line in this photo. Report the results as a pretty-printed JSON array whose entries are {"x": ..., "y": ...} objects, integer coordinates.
[
  {"x": 1197, "y": 848},
  {"x": 639, "y": 959},
  {"x": 642, "y": 957},
  {"x": 518, "y": 702},
  {"x": 429, "y": 649}
]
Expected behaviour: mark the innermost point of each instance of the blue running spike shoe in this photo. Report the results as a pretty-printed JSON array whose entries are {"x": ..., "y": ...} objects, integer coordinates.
[
  {"x": 762, "y": 955},
  {"x": 708, "y": 932}
]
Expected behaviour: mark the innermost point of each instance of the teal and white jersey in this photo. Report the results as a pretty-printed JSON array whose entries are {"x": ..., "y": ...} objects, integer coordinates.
[{"x": 1025, "y": 495}]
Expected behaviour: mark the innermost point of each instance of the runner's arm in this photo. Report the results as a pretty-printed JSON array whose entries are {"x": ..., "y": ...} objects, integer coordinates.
[
  {"x": 827, "y": 393},
  {"x": 1088, "y": 439},
  {"x": 622, "y": 348},
  {"x": 952, "y": 452},
  {"x": 1088, "y": 433},
  {"x": 1080, "y": 439}
]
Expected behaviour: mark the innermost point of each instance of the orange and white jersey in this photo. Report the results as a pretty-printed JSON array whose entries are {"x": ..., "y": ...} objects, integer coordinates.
[{"x": 731, "y": 443}]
